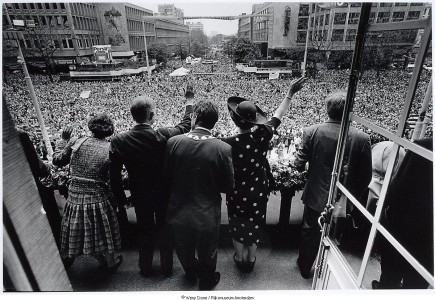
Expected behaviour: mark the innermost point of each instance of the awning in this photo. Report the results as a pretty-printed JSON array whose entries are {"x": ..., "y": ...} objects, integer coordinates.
[
  {"x": 123, "y": 54},
  {"x": 180, "y": 72}
]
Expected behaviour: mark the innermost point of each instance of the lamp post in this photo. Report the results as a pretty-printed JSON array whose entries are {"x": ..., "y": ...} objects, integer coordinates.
[
  {"x": 33, "y": 97},
  {"x": 146, "y": 50},
  {"x": 306, "y": 42}
]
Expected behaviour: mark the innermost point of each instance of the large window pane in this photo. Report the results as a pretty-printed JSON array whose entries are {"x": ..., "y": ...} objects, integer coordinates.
[
  {"x": 340, "y": 18},
  {"x": 349, "y": 232}
]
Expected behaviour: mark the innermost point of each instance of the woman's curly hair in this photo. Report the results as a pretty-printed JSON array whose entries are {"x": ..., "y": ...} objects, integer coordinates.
[{"x": 101, "y": 125}]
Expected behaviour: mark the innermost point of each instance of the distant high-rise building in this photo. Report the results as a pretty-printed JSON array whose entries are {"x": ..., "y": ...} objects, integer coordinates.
[
  {"x": 170, "y": 10},
  {"x": 195, "y": 26}
]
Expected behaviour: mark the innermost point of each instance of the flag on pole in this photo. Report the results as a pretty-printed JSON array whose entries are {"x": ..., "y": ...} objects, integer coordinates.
[
  {"x": 274, "y": 75},
  {"x": 85, "y": 94}
]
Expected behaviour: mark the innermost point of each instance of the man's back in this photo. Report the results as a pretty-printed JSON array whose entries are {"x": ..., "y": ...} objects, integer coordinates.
[
  {"x": 319, "y": 146},
  {"x": 200, "y": 169},
  {"x": 141, "y": 150}
]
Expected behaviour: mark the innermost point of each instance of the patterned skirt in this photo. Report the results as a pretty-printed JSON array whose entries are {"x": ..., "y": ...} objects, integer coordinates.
[{"x": 89, "y": 226}]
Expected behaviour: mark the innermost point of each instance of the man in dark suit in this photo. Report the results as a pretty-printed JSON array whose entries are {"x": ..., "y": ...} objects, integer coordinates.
[
  {"x": 198, "y": 168},
  {"x": 141, "y": 151},
  {"x": 318, "y": 147},
  {"x": 409, "y": 218}
]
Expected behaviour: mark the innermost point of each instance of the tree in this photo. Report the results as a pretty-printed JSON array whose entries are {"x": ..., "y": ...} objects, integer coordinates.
[
  {"x": 47, "y": 41},
  {"x": 381, "y": 48},
  {"x": 199, "y": 44},
  {"x": 242, "y": 50},
  {"x": 159, "y": 52},
  {"x": 181, "y": 48}
]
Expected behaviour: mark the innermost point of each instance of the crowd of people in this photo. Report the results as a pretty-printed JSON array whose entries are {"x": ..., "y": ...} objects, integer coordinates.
[
  {"x": 61, "y": 104},
  {"x": 128, "y": 123}
]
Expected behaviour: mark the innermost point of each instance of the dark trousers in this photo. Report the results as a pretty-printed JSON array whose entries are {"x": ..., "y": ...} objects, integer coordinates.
[
  {"x": 188, "y": 240},
  {"x": 418, "y": 240},
  {"x": 310, "y": 239},
  {"x": 152, "y": 229},
  {"x": 52, "y": 210}
]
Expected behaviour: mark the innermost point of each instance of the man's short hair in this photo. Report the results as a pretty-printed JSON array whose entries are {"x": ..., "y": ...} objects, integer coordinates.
[
  {"x": 141, "y": 108},
  {"x": 207, "y": 114},
  {"x": 335, "y": 104}
]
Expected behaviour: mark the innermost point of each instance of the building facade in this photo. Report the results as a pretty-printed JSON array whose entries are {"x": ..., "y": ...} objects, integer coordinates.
[
  {"x": 331, "y": 25},
  {"x": 195, "y": 26},
  {"x": 334, "y": 27},
  {"x": 279, "y": 25},
  {"x": 170, "y": 10},
  {"x": 117, "y": 24}
]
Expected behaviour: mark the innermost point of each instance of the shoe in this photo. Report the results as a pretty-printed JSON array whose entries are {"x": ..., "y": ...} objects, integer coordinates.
[
  {"x": 304, "y": 273},
  {"x": 167, "y": 272},
  {"x": 375, "y": 285},
  {"x": 146, "y": 273},
  {"x": 192, "y": 277},
  {"x": 192, "y": 273},
  {"x": 249, "y": 265},
  {"x": 166, "y": 266},
  {"x": 115, "y": 267},
  {"x": 239, "y": 263},
  {"x": 209, "y": 284},
  {"x": 68, "y": 262}
]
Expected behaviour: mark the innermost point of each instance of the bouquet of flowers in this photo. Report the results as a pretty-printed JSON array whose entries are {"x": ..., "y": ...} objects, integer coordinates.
[
  {"x": 284, "y": 175},
  {"x": 59, "y": 179}
]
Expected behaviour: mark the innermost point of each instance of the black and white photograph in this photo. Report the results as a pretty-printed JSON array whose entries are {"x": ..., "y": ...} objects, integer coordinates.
[{"x": 217, "y": 150}]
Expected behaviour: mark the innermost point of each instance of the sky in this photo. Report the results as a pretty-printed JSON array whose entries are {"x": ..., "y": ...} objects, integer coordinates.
[{"x": 211, "y": 8}]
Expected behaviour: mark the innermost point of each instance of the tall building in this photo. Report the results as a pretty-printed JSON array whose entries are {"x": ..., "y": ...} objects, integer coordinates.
[
  {"x": 284, "y": 25},
  {"x": 334, "y": 27},
  {"x": 117, "y": 24},
  {"x": 331, "y": 24},
  {"x": 195, "y": 26},
  {"x": 73, "y": 41},
  {"x": 244, "y": 29},
  {"x": 170, "y": 10}
]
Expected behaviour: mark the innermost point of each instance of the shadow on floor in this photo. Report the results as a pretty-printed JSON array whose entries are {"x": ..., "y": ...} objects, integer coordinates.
[{"x": 275, "y": 268}]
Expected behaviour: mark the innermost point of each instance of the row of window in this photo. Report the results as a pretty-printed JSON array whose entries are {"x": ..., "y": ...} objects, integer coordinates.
[
  {"x": 34, "y": 6},
  {"x": 339, "y": 34},
  {"x": 136, "y": 42},
  {"x": 353, "y": 18},
  {"x": 316, "y": 8},
  {"x": 133, "y": 25},
  {"x": 262, "y": 25},
  {"x": 52, "y": 21},
  {"x": 264, "y": 12},
  {"x": 261, "y": 36},
  {"x": 87, "y": 41},
  {"x": 83, "y": 9},
  {"x": 63, "y": 42},
  {"x": 133, "y": 12},
  {"x": 82, "y": 23}
]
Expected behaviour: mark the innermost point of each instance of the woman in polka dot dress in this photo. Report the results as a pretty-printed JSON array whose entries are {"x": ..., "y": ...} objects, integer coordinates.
[{"x": 248, "y": 201}]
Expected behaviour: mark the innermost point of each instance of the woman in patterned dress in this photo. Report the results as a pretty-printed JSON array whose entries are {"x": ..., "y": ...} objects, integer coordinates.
[
  {"x": 248, "y": 201},
  {"x": 89, "y": 225}
]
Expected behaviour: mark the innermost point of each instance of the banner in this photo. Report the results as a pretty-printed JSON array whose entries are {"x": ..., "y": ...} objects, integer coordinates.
[
  {"x": 85, "y": 94},
  {"x": 274, "y": 75}
]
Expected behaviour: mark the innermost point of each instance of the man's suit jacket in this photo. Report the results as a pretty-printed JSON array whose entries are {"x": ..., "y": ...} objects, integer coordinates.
[
  {"x": 141, "y": 150},
  {"x": 318, "y": 147},
  {"x": 199, "y": 168}
]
